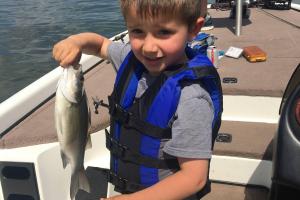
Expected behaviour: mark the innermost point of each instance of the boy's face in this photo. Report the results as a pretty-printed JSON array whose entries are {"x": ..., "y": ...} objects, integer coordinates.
[{"x": 159, "y": 42}]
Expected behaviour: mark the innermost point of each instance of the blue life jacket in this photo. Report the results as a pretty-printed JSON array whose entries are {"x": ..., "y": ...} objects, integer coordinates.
[{"x": 139, "y": 124}]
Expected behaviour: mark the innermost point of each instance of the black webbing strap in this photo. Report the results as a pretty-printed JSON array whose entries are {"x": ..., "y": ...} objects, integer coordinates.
[
  {"x": 129, "y": 120},
  {"x": 122, "y": 152},
  {"x": 205, "y": 71},
  {"x": 121, "y": 184},
  {"x": 200, "y": 72},
  {"x": 124, "y": 80}
]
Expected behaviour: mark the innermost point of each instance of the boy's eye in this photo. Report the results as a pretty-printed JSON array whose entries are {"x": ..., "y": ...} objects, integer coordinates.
[
  {"x": 165, "y": 32},
  {"x": 136, "y": 31}
]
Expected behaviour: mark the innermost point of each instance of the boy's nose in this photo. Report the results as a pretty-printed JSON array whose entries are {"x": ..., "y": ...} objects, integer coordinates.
[{"x": 150, "y": 47}]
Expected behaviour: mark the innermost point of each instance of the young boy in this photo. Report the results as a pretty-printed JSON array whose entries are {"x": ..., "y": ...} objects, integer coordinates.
[{"x": 164, "y": 115}]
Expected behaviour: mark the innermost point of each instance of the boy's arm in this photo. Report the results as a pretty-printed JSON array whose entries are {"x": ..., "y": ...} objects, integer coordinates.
[
  {"x": 69, "y": 51},
  {"x": 187, "y": 181}
]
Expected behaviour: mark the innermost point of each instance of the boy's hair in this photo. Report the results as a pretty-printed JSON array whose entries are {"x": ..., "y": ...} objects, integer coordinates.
[{"x": 188, "y": 11}]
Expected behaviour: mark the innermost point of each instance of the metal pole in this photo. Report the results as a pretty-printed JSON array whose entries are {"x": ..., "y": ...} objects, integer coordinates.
[{"x": 238, "y": 17}]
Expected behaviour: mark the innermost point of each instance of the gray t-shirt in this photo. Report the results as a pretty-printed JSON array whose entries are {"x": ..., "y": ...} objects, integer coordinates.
[{"x": 192, "y": 127}]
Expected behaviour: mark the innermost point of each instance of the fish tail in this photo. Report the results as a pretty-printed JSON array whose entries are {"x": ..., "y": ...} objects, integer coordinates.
[
  {"x": 83, "y": 181},
  {"x": 79, "y": 180},
  {"x": 74, "y": 185},
  {"x": 88, "y": 142}
]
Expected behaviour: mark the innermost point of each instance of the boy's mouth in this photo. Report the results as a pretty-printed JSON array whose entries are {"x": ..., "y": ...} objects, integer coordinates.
[{"x": 153, "y": 60}]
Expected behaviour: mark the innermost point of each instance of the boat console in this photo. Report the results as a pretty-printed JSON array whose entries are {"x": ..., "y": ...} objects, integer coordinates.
[{"x": 286, "y": 160}]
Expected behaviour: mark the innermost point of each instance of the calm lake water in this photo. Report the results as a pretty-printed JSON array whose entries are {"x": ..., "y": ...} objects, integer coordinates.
[{"x": 30, "y": 28}]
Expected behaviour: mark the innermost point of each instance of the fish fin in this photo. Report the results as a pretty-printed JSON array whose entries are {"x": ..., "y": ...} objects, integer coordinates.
[
  {"x": 88, "y": 142},
  {"x": 64, "y": 159}
]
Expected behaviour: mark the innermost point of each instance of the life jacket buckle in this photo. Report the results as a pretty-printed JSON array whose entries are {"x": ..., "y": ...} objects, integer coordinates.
[
  {"x": 120, "y": 114},
  {"x": 118, "y": 182},
  {"x": 118, "y": 150}
]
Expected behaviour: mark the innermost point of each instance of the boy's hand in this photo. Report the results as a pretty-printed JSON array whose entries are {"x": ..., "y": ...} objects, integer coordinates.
[{"x": 67, "y": 52}]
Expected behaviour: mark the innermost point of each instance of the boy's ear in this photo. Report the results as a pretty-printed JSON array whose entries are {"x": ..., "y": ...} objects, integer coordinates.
[{"x": 196, "y": 28}]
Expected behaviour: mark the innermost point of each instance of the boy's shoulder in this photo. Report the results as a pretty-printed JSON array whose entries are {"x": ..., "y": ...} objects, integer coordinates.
[
  {"x": 116, "y": 53},
  {"x": 194, "y": 91},
  {"x": 119, "y": 48}
]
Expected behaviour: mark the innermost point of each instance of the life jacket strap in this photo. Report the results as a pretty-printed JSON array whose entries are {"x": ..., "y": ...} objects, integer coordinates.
[
  {"x": 199, "y": 71},
  {"x": 121, "y": 184},
  {"x": 125, "y": 154},
  {"x": 129, "y": 120}
]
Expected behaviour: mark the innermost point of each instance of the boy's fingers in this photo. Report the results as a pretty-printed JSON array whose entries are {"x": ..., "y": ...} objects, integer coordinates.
[
  {"x": 71, "y": 59},
  {"x": 65, "y": 55},
  {"x": 56, "y": 50},
  {"x": 75, "y": 55},
  {"x": 57, "y": 54}
]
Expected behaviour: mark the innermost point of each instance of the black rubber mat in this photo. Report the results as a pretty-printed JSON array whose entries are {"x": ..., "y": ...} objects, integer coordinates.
[{"x": 98, "y": 182}]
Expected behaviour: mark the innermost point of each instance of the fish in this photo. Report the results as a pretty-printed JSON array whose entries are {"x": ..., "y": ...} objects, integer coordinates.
[{"x": 72, "y": 122}]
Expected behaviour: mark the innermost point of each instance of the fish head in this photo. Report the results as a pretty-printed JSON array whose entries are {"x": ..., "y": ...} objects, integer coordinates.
[{"x": 71, "y": 83}]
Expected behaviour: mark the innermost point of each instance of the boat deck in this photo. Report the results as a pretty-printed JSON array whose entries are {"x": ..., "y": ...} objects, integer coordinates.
[
  {"x": 267, "y": 29},
  {"x": 221, "y": 191}
]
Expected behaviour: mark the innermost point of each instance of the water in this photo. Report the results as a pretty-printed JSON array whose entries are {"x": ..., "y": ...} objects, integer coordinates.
[{"x": 29, "y": 29}]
